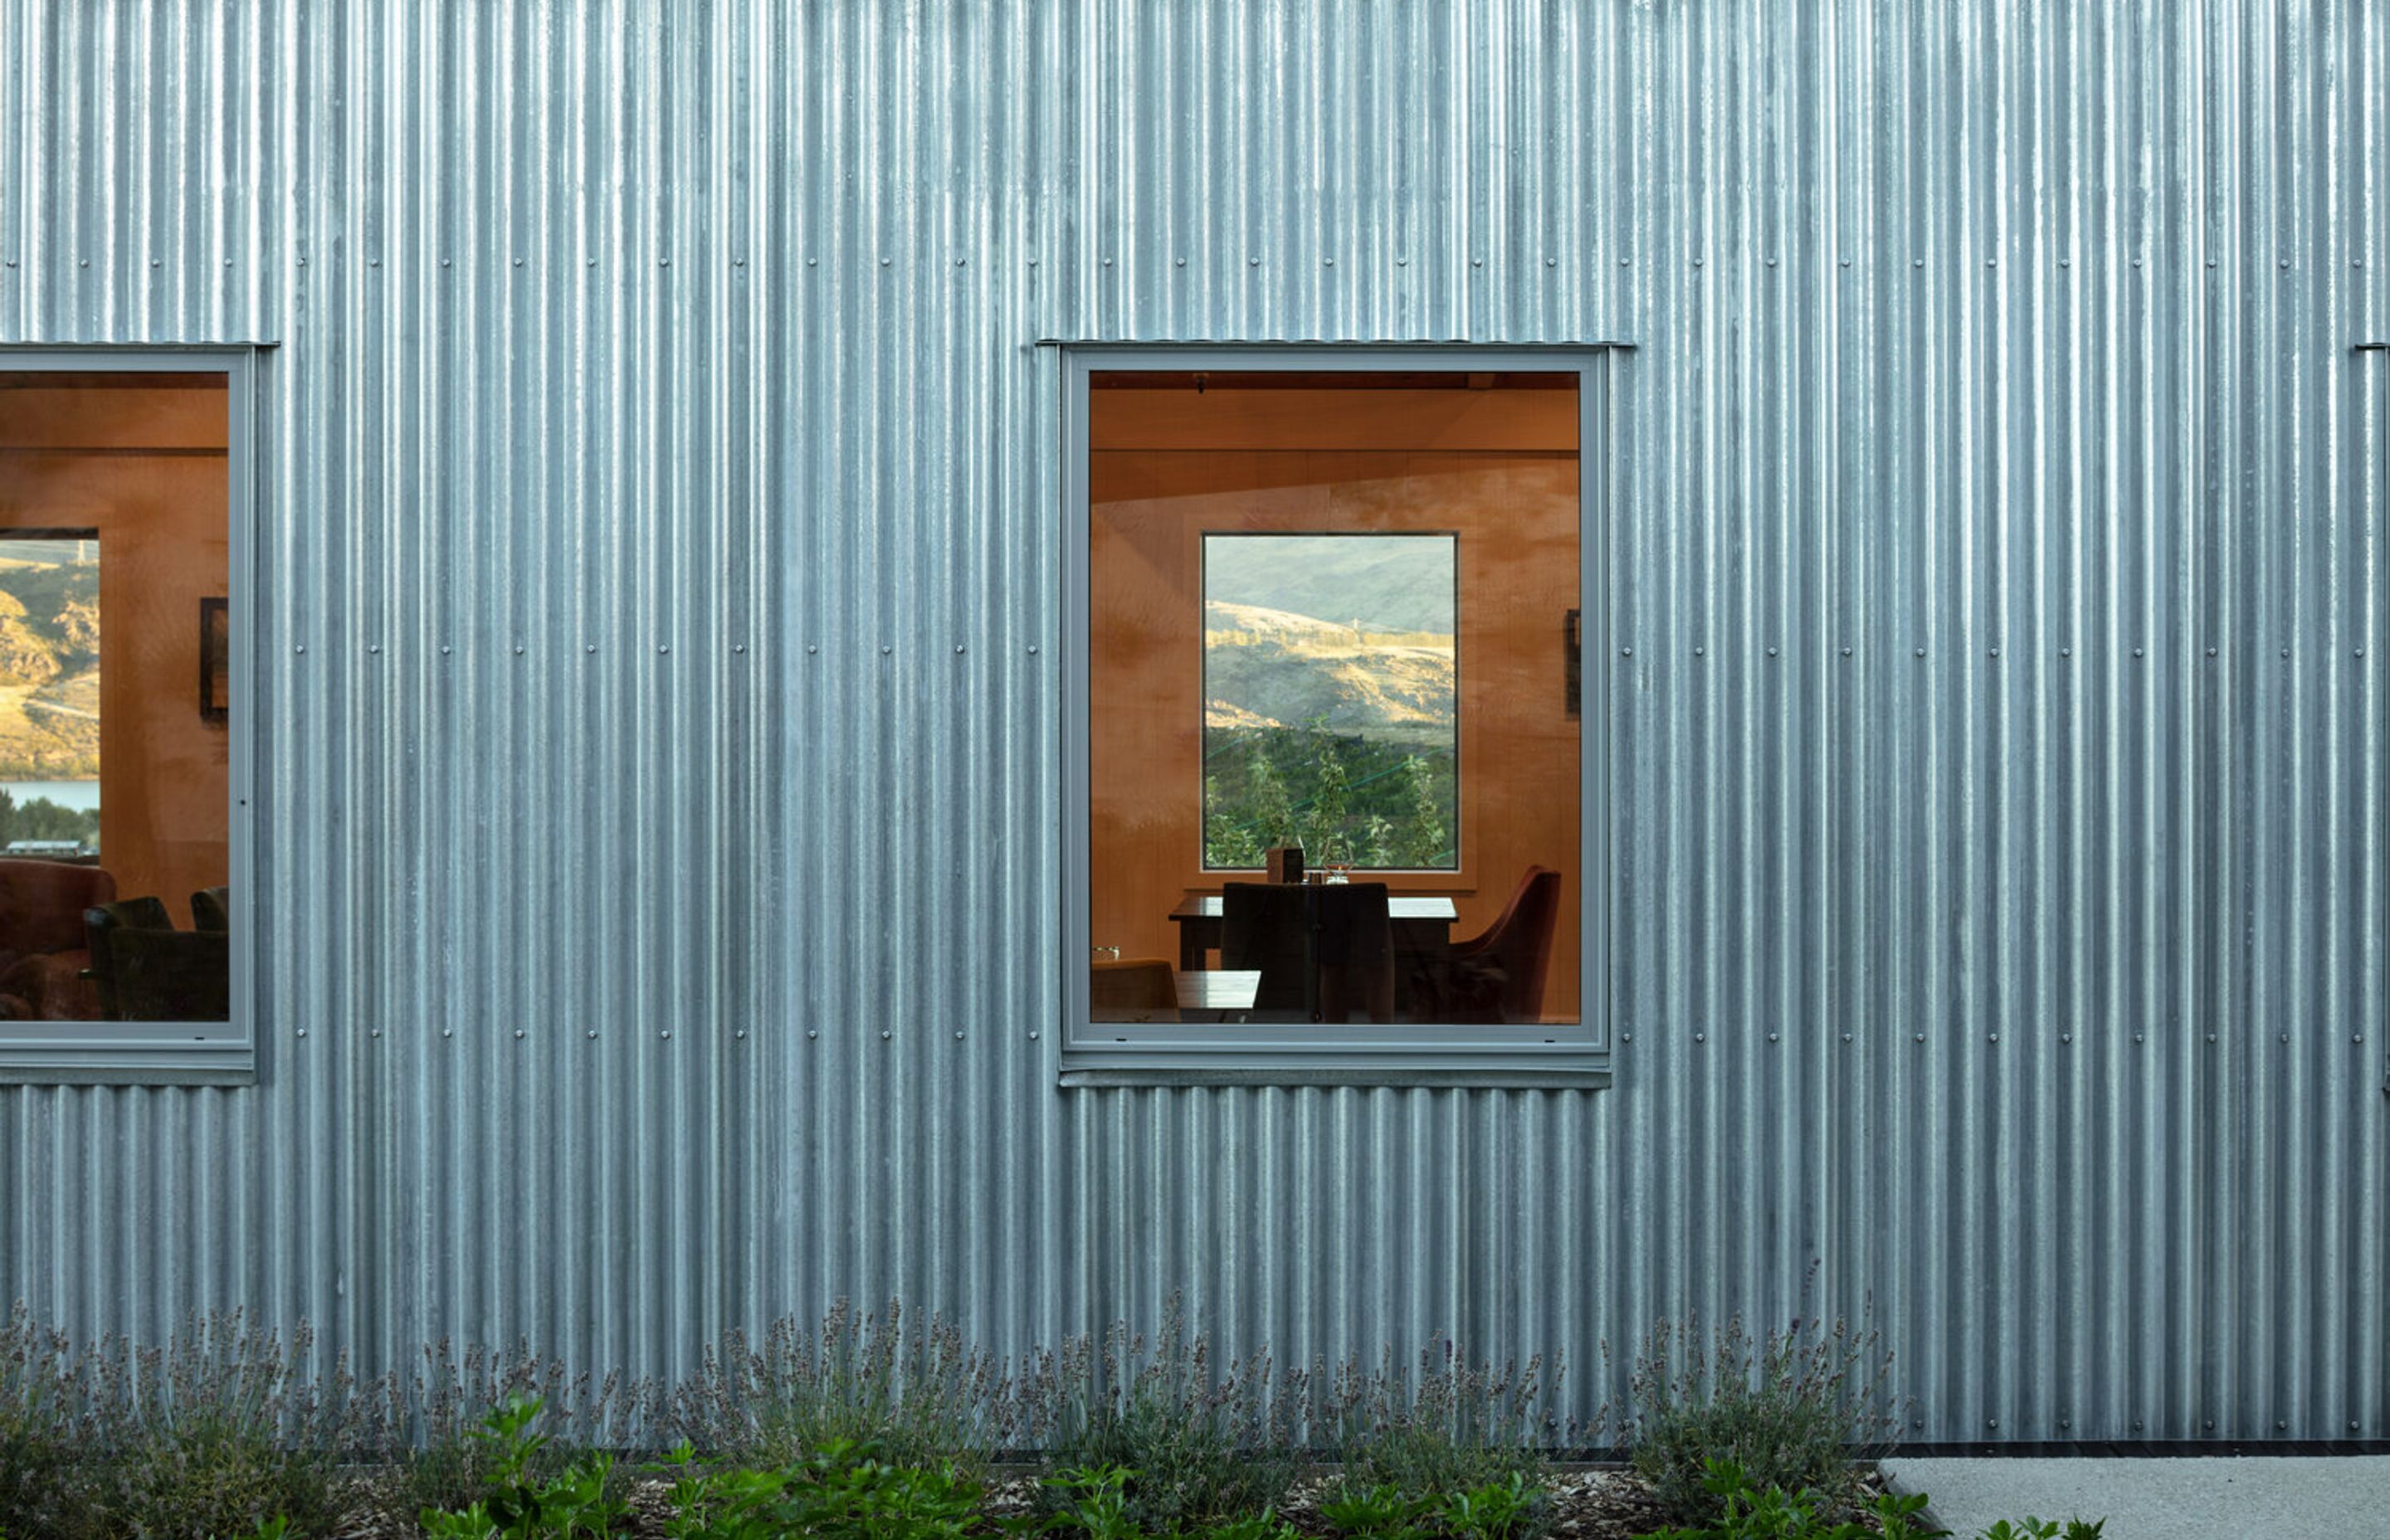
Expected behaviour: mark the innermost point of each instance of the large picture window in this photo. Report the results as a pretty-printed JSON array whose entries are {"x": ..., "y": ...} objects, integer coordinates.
[
  {"x": 119, "y": 710},
  {"x": 1335, "y": 807}
]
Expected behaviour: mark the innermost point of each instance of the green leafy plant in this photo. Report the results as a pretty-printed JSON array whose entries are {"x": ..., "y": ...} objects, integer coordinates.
[
  {"x": 1091, "y": 1502},
  {"x": 1789, "y": 1410},
  {"x": 1264, "y": 1525},
  {"x": 1383, "y": 1512},
  {"x": 1747, "y": 1511},
  {"x": 844, "y": 1492},
  {"x": 521, "y": 1506},
  {"x": 1511, "y": 1509},
  {"x": 2045, "y": 1529},
  {"x": 730, "y": 1504},
  {"x": 450, "y": 1463}
]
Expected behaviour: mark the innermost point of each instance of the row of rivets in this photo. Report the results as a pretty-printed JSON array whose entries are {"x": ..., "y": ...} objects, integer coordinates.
[
  {"x": 1699, "y": 260},
  {"x": 521, "y": 1033},
  {"x": 812, "y": 1034},
  {"x": 448, "y": 649}
]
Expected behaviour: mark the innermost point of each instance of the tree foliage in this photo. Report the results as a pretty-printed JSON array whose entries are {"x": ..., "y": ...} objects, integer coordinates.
[
  {"x": 44, "y": 820},
  {"x": 1342, "y": 797}
]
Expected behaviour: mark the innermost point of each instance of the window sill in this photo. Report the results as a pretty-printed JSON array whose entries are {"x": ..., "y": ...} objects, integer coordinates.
[
  {"x": 66, "y": 1061},
  {"x": 1095, "y": 1070},
  {"x": 66, "y": 1074}
]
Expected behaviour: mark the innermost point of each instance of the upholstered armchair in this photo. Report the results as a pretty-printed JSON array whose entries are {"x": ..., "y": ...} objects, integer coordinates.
[{"x": 43, "y": 947}]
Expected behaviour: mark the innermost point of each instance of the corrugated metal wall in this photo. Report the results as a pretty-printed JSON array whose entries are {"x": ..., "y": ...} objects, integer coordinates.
[{"x": 658, "y": 826}]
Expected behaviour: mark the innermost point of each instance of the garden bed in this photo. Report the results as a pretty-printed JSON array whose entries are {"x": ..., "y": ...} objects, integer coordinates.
[
  {"x": 1585, "y": 1503},
  {"x": 868, "y": 1432}
]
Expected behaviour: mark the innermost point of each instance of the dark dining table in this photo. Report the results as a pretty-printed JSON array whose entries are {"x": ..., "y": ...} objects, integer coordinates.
[{"x": 1422, "y": 926}]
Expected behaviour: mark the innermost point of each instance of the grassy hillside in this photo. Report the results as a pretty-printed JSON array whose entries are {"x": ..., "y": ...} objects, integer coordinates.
[
  {"x": 1269, "y": 667},
  {"x": 49, "y": 660}
]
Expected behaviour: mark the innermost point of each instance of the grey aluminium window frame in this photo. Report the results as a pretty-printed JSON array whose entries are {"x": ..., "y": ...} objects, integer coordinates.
[
  {"x": 1113, "y": 1053},
  {"x": 177, "y": 1052},
  {"x": 2379, "y": 352}
]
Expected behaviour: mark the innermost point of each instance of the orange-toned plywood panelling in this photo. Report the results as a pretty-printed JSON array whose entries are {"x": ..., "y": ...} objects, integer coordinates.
[
  {"x": 1498, "y": 468},
  {"x": 143, "y": 463}
]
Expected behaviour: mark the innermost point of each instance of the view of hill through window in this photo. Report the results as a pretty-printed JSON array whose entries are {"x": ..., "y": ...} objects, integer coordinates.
[
  {"x": 1329, "y": 723},
  {"x": 49, "y": 692}
]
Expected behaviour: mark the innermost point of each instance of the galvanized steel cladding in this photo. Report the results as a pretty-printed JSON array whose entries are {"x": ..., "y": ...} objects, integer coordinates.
[{"x": 657, "y": 832}]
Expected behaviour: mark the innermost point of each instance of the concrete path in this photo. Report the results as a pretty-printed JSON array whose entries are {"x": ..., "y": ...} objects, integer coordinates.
[{"x": 2199, "y": 1497}]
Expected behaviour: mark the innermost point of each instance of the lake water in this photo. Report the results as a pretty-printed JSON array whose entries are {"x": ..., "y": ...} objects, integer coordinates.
[{"x": 75, "y": 794}]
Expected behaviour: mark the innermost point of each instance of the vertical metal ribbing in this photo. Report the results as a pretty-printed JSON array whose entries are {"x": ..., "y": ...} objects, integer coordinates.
[{"x": 1984, "y": 331}]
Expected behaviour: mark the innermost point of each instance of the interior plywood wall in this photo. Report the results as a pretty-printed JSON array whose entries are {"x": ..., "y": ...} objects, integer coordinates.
[{"x": 143, "y": 464}]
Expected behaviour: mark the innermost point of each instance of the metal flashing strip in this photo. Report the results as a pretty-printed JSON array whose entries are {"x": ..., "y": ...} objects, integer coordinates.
[
  {"x": 1324, "y": 344},
  {"x": 103, "y": 349},
  {"x": 1165, "y": 1077}
]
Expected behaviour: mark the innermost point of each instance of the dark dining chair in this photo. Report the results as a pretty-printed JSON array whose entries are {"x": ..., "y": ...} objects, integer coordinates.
[
  {"x": 1353, "y": 951},
  {"x": 1265, "y": 927},
  {"x": 1498, "y": 975},
  {"x": 1324, "y": 951},
  {"x": 1133, "y": 989},
  {"x": 102, "y": 924}
]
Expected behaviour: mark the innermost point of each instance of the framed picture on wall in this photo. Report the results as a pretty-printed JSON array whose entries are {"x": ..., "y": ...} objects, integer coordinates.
[{"x": 215, "y": 660}]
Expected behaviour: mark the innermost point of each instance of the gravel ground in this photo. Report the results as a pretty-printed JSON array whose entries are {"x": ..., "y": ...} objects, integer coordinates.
[{"x": 2275, "y": 1496}]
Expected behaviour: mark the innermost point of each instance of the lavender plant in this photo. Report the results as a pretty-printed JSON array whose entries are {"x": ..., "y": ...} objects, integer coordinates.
[
  {"x": 1787, "y": 1411},
  {"x": 1442, "y": 1424},
  {"x": 1201, "y": 1444},
  {"x": 37, "y": 1419},
  {"x": 220, "y": 1432},
  {"x": 915, "y": 1392}
]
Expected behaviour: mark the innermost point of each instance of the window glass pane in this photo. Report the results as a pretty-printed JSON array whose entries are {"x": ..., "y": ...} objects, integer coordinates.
[
  {"x": 114, "y": 787},
  {"x": 1338, "y": 735},
  {"x": 1333, "y": 613}
]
